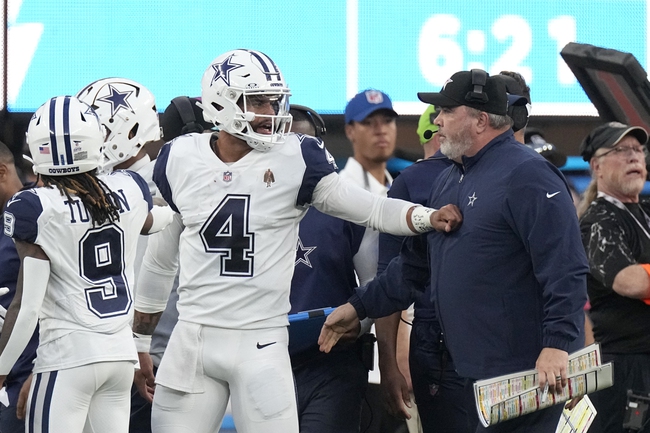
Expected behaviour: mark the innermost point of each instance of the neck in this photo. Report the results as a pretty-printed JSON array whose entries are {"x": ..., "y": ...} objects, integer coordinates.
[
  {"x": 620, "y": 196},
  {"x": 375, "y": 169},
  {"x": 229, "y": 148},
  {"x": 483, "y": 139},
  {"x": 430, "y": 149}
]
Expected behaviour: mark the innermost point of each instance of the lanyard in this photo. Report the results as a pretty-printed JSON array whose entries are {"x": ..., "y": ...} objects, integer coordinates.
[{"x": 616, "y": 202}]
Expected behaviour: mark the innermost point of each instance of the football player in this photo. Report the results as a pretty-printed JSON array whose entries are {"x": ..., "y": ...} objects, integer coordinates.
[
  {"x": 241, "y": 194},
  {"x": 76, "y": 238}
]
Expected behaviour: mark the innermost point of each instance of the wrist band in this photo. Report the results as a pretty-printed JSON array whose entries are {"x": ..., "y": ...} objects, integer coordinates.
[
  {"x": 646, "y": 268},
  {"x": 142, "y": 342},
  {"x": 421, "y": 219}
]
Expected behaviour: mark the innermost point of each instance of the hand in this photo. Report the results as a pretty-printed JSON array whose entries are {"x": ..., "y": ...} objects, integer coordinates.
[
  {"x": 21, "y": 406},
  {"x": 573, "y": 402},
  {"x": 397, "y": 396},
  {"x": 350, "y": 336},
  {"x": 552, "y": 368},
  {"x": 144, "y": 378},
  {"x": 342, "y": 320},
  {"x": 446, "y": 219}
]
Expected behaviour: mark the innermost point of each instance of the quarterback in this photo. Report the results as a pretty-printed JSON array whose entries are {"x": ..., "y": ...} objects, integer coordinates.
[{"x": 240, "y": 195}]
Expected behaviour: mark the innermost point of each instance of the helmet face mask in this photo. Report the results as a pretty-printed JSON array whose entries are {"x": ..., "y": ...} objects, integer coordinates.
[
  {"x": 236, "y": 92},
  {"x": 65, "y": 137},
  {"x": 127, "y": 110}
]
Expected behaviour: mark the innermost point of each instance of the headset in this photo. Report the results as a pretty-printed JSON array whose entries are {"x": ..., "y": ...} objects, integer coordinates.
[
  {"x": 518, "y": 113},
  {"x": 429, "y": 133},
  {"x": 479, "y": 80},
  {"x": 184, "y": 106},
  {"x": 314, "y": 117}
]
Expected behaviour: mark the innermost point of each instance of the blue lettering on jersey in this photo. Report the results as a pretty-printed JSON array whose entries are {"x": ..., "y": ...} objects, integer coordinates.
[
  {"x": 76, "y": 207},
  {"x": 121, "y": 201}
]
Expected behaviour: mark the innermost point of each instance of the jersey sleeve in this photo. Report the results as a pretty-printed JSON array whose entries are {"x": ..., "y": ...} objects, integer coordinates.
[
  {"x": 389, "y": 245},
  {"x": 144, "y": 187},
  {"x": 160, "y": 175},
  {"x": 608, "y": 249},
  {"x": 319, "y": 164},
  {"x": 21, "y": 216}
]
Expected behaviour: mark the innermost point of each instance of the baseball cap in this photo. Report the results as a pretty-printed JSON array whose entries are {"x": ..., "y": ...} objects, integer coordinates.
[
  {"x": 475, "y": 89},
  {"x": 190, "y": 119},
  {"x": 426, "y": 128},
  {"x": 609, "y": 135},
  {"x": 365, "y": 103}
]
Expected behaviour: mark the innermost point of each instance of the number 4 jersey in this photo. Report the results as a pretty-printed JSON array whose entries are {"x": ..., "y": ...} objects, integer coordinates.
[
  {"x": 238, "y": 247},
  {"x": 87, "y": 309}
]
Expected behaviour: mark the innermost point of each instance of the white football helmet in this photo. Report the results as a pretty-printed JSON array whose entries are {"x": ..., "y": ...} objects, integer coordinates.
[
  {"x": 128, "y": 112},
  {"x": 233, "y": 82},
  {"x": 65, "y": 137}
]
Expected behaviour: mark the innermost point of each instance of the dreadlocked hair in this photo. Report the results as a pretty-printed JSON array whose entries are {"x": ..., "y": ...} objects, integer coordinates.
[{"x": 95, "y": 195}]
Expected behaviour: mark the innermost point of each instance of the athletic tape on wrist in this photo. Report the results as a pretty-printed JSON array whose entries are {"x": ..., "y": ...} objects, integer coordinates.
[
  {"x": 421, "y": 219},
  {"x": 142, "y": 342}
]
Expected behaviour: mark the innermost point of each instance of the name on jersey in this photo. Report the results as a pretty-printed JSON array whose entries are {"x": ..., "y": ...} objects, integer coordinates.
[{"x": 79, "y": 213}]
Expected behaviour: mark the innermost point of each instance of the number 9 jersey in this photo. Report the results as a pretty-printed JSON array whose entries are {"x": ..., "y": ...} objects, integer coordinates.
[{"x": 86, "y": 313}]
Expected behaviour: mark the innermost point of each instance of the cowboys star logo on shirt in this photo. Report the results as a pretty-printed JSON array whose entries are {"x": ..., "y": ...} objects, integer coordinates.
[{"x": 302, "y": 252}]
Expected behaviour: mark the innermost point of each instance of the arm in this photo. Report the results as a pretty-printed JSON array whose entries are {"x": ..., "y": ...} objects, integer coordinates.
[
  {"x": 159, "y": 267},
  {"x": 158, "y": 218},
  {"x": 352, "y": 203},
  {"x": 22, "y": 315},
  {"x": 143, "y": 326},
  {"x": 388, "y": 293},
  {"x": 158, "y": 270},
  {"x": 558, "y": 261},
  {"x": 633, "y": 282},
  {"x": 390, "y": 333}
]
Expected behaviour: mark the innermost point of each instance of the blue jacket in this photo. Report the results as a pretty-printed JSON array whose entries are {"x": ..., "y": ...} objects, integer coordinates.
[
  {"x": 413, "y": 184},
  {"x": 512, "y": 279}
]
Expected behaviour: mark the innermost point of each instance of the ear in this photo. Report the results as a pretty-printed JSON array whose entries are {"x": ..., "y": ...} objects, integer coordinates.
[
  {"x": 594, "y": 165},
  {"x": 349, "y": 131},
  {"x": 482, "y": 122},
  {"x": 4, "y": 171}
]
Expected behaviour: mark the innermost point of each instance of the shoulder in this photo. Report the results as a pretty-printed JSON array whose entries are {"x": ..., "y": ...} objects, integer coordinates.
[
  {"x": 129, "y": 179},
  {"x": 602, "y": 213},
  {"x": 21, "y": 215}
]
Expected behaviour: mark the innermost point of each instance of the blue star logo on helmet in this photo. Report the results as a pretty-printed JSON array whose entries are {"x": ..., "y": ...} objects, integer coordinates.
[
  {"x": 117, "y": 99},
  {"x": 222, "y": 70}
]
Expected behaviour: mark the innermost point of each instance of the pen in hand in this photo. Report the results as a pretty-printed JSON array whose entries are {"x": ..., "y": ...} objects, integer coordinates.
[{"x": 545, "y": 393}]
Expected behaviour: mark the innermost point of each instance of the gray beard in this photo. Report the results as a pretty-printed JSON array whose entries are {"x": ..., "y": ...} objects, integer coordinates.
[{"x": 455, "y": 148}]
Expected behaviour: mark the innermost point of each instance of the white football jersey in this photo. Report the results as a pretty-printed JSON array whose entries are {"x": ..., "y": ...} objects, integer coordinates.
[
  {"x": 241, "y": 226},
  {"x": 89, "y": 301}
]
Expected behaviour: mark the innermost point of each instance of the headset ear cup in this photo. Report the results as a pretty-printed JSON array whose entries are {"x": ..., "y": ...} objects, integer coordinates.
[{"x": 519, "y": 115}]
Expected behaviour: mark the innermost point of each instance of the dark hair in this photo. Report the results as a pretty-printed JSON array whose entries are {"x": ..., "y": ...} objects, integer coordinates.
[
  {"x": 525, "y": 89},
  {"x": 5, "y": 154},
  {"x": 95, "y": 195}
]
